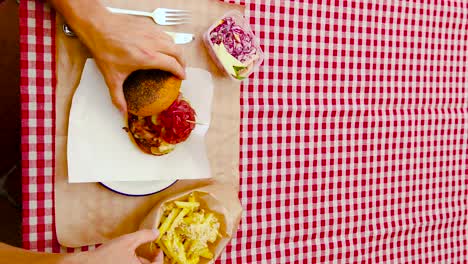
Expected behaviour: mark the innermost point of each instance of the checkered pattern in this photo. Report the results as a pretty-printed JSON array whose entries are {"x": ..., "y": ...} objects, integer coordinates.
[
  {"x": 353, "y": 133},
  {"x": 37, "y": 120}
]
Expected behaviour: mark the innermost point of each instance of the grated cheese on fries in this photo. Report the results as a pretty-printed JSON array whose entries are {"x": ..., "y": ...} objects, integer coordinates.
[{"x": 185, "y": 230}]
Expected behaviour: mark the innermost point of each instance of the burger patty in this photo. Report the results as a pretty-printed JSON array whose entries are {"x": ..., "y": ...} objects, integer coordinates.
[{"x": 144, "y": 131}]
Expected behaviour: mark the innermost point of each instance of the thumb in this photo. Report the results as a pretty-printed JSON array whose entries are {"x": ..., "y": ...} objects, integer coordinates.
[
  {"x": 118, "y": 97},
  {"x": 114, "y": 80},
  {"x": 143, "y": 236},
  {"x": 159, "y": 258},
  {"x": 167, "y": 63}
]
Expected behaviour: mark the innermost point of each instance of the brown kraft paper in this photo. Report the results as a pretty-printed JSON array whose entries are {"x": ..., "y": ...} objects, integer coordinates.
[{"x": 87, "y": 213}]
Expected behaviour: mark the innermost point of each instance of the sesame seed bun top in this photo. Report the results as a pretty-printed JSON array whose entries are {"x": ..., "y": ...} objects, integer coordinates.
[{"x": 149, "y": 92}]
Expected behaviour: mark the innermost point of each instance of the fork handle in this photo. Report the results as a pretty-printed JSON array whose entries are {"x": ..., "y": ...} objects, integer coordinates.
[{"x": 129, "y": 12}]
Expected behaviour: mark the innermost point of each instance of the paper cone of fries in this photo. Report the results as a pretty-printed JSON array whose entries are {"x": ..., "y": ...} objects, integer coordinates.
[{"x": 195, "y": 226}]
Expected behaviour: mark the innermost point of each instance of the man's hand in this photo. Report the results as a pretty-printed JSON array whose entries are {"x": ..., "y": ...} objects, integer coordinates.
[
  {"x": 126, "y": 44},
  {"x": 121, "y": 44},
  {"x": 119, "y": 251}
]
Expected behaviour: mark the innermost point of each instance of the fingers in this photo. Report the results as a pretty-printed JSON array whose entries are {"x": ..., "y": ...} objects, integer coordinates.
[
  {"x": 141, "y": 237},
  {"x": 163, "y": 35},
  {"x": 159, "y": 259},
  {"x": 174, "y": 51},
  {"x": 114, "y": 82},
  {"x": 143, "y": 260},
  {"x": 164, "y": 44},
  {"x": 118, "y": 98},
  {"x": 167, "y": 63}
]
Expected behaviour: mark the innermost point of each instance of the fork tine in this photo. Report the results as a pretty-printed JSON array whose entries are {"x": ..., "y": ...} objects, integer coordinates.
[
  {"x": 178, "y": 17},
  {"x": 179, "y": 21},
  {"x": 173, "y": 23},
  {"x": 179, "y": 12}
]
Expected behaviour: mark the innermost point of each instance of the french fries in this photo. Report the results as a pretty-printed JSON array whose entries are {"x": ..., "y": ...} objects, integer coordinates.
[{"x": 185, "y": 231}]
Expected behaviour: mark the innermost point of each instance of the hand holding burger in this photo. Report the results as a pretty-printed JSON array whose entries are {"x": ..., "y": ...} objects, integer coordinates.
[{"x": 121, "y": 44}]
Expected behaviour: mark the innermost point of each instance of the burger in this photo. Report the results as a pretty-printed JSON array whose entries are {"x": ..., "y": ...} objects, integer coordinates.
[{"x": 159, "y": 117}]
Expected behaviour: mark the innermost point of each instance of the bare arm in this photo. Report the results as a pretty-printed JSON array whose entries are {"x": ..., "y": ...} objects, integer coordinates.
[
  {"x": 121, "y": 44},
  {"x": 118, "y": 251},
  {"x": 9, "y": 254}
]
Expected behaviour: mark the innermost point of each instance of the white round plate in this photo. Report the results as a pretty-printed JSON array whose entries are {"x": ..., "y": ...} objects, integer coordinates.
[{"x": 139, "y": 188}]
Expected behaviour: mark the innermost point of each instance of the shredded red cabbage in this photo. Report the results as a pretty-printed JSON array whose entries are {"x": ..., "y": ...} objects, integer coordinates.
[
  {"x": 174, "y": 120},
  {"x": 237, "y": 41}
]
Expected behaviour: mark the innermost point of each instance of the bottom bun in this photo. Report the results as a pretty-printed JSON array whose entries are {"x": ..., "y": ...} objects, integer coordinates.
[
  {"x": 152, "y": 150},
  {"x": 139, "y": 145}
]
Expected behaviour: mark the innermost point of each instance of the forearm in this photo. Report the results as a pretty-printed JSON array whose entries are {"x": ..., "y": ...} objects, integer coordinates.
[
  {"x": 9, "y": 254},
  {"x": 83, "y": 11},
  {"x": 86, "y": 17}
]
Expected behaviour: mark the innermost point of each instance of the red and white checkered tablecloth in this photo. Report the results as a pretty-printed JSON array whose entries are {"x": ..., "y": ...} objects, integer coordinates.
[{"x": 354, "y": 134}]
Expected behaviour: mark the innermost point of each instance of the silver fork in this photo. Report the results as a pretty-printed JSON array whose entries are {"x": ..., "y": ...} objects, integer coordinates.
[{"x": 161, "y": 16}]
